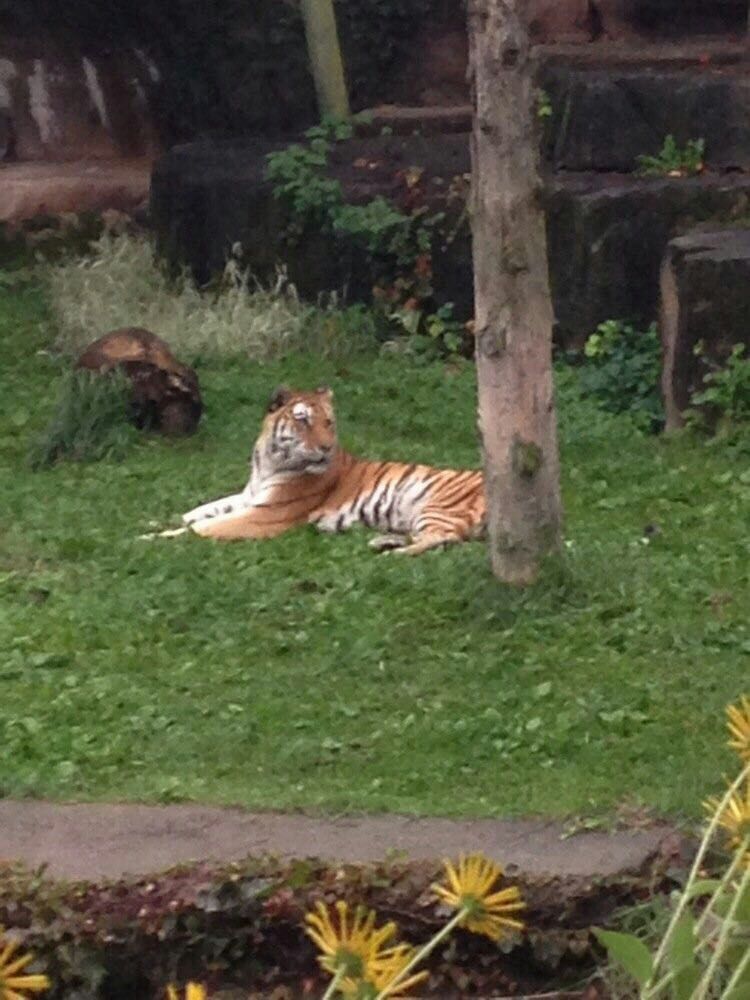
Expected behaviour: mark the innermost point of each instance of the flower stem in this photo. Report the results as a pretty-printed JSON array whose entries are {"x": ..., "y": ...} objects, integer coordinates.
[
  {"x": 423, "y": 952},
  {"x": 735, "y": 864},
  {"x": 703, "y": 942},
  {"x": 649, "y": 989},
  {"x": 334, "y": 983},
  {"x": 738, "y": 973},
  {"x": 726, "y": 929}
]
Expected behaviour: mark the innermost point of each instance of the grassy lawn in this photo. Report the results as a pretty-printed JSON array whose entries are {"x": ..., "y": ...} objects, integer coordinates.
[{"x": 306, "y": 672}]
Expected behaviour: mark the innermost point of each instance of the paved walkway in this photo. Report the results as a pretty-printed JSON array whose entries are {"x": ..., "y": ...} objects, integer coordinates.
[{"x": 89, "y": 841}]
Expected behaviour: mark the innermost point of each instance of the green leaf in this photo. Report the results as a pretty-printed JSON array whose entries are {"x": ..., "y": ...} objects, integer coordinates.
[
  {"x": 685, "y": 982},
  {"x": 702, "y": 887},
  {"x": 682, "y": 944},
  {"x": 734, "y": 954},
  {"x": 631, "y": 953},
  {"x": 741, "y": 989},
  {"x": 742, "y": 912}
]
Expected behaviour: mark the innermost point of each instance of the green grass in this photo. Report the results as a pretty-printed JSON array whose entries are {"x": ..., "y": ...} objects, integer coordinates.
[{"x": 307, "y": 672}]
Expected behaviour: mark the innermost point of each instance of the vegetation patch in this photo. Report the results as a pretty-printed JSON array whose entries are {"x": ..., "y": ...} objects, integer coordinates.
[
  {"x": 118, "y": 283},
  {"x": 90, "y": 420},
  {"x": 723, "y": 404},
  {"x": 390, "y": 237},
  {"x": 245, "y": 924},
  {"x": 622, "y": 370},
  {"x": 172, "y": 670},
  {"x": 674, "y": 160}
]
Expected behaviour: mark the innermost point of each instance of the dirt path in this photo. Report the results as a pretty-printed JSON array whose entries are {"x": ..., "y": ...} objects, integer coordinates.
[{"x": 89, "y": 841}]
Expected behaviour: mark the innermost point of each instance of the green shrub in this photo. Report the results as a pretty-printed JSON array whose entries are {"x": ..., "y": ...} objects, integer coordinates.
[
  {"x": 395, "y": 245},
  {"x": 90, "y": 420},
  {"x": 392, "y": 240},
  {"x": 431, "y": 335},
  {"x": 724, "y": 403},
  {"x": 300, "y": 182},
  {"x": 674, "y": 160},
  {"x": 622, "y": 371}
]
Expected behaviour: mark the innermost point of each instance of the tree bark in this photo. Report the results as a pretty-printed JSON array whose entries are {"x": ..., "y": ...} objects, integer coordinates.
[
  {"x": 513, "y": 310},
  {"x": 325, "y": 57}
]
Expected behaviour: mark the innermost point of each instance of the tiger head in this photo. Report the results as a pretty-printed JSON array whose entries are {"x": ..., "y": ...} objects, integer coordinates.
[{"x": 299, "y": 431}]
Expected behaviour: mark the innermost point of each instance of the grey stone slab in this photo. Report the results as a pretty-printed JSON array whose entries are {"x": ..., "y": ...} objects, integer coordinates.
[{"x": 91, "y": 841}]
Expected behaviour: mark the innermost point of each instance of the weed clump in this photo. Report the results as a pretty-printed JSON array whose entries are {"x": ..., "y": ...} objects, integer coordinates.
[
  {"x": 90, "y": 420},
  {"x": 622, "y": 371},
  {"x": 673, "y": 160}
]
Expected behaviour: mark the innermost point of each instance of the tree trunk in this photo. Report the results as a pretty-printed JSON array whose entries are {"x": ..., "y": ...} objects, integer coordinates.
[
  {"x": 325, "y": 57},
  {"x": 513, "y": 311}
]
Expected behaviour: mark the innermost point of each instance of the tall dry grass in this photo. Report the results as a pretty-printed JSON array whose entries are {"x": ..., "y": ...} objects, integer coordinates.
[{"x": 119, "y": 283}]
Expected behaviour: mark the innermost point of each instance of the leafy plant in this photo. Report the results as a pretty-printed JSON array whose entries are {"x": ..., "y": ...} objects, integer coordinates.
[
  {"x": 705, "y": 952},
  {"x": 90, "y": 420},
  {"x": 673, "y": 160},
  {"x": 389, "y": 236},
  {"x": 312, "y": 198},
  {"x": 431, "y": 334},
  {"x": 396, "y": 244},
  {"x": 724, "y": 403},
  {"x": 543, "y": 105},
  {"x": 298, "y": 174},
  {"x": 622, "y": 371}
]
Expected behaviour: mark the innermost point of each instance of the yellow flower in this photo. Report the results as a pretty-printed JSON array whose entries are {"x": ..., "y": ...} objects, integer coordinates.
[
  {"x": 470, "y": 888},
  {"x": 193, "y": 991},
  {"x": 388, "y": 966},
  {"x": 349, "y": 946},
  {"x": 735, "y": 818},
  {"x": 13, "y": 985},
  {"x": 738, "y": 722}
]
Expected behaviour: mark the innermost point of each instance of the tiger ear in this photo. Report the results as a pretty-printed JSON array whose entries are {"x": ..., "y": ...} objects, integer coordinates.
[
  {"x": 324, "y": 390},
  {"x": 281, "y": 396}
]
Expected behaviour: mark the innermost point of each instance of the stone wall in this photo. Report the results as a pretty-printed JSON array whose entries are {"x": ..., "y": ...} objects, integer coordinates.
[
  {"x": 225, "y": 69},
  {"x": 60, "y": 103},
  {"x": 88, "y": 83}
]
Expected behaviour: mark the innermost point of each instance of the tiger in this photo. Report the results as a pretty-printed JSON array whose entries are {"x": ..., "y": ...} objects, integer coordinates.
[{"x": 299, "y": 474}]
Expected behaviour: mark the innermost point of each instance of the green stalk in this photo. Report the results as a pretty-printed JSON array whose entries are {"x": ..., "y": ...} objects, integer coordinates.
[
  {"x": 423, "y": 952},
  {"x": 726, "y": 929},
  {"x": 648, "y": 990},
  {"x": 726, "y": 879},
  {"x": 730, "y": 873},
  {"x": 742, "y": 967},
  {"x": 334, "y": 983}
]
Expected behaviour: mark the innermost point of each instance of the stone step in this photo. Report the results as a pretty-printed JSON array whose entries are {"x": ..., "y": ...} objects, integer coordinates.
[
  {"x": 428, "y": 120},
  {"x": 604, "y": 116},
  {"x": 607, "y": 237},
  {"x": 705, "y": 298},
  {"x": 32, "y": 189},
  {"x": 607, "y": 234}
]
